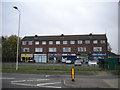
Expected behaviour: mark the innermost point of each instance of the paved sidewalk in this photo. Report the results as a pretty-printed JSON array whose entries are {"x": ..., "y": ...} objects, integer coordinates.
[{"x": 100, "y": 80}]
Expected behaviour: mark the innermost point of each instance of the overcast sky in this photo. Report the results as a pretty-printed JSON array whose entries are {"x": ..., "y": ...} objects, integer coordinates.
[{"x": 55, "y": 17}]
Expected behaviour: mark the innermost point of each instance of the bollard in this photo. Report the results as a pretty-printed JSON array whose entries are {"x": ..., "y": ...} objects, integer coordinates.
[{"x": 73, "y": 74}]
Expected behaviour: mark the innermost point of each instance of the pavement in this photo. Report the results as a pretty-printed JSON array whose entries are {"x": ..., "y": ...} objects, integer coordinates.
[{"x": 100, "y": 80}]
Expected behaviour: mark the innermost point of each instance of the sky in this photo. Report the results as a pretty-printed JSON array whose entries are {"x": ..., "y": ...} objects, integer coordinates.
[{"x": 56, "y": 17}]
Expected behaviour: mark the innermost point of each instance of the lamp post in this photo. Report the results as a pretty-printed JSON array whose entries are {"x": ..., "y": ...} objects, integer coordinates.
[{"x": 18, "y": 36}]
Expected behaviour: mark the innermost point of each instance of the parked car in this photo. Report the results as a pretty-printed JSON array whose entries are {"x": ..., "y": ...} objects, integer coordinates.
[
  {"x": 68, "y": 61},
  {"x": 92, "y": 63},
  {"x": 77, "y": 63}
]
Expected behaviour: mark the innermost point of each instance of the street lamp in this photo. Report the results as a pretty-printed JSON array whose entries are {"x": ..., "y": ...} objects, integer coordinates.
[{"x": 18, "y": 36}]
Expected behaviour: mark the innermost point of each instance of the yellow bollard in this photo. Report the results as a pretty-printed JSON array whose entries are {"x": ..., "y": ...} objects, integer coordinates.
[{"x": 73, "y": 74}]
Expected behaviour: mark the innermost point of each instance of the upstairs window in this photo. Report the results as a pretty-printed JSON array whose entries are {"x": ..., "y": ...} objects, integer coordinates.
[
  {"x": 67, "y": 49},
  {"x": 81, "y": 49},
  {"x": 57, "y": 42},
  {"x": 25, "y": 49},
  {"x": 23, "y": 42},
  {"x": 72, "y": 42},
  {"x": 95, "y": 41},
  {"x": 43, "y": 42},
  {"x": 50, "y": 42},
  {"x": 79, "y": 41},
  {"x": 52, "y": 49},
  {"x": 102, "y": 41},
  {"x": 36, "y": 42},
  {"x": 38, "y": 49},
  {"x": 97, "y": 49},
  {"x": 87, "y": 41},
  {"x": 64, "y": 42},
  {"x": 30, "y": 42}
]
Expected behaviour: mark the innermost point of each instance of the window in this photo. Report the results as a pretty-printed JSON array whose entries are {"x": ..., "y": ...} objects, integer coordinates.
[
  {"x": 23, "y": 42},
  {"x": 67, "y": 49},
  {"x": 95, "y": 41},
  {"x": 64, "y": 42},
  {"x": 43, "y": 42},
  {"x": 102, "y": 41},
  {"x": 50, "y": 42},
  {"x": 52, "y": 49},
  {"x": 25, "y": 49},
  {"x": 72, "y": 42},
  {"x": 29, "y": 42},
  {"x": 36, "y": 42},
  {"x": 81, "y": 49},
  {"x": 38, "y": 50},
  {"x": 79, "y": 41},
  {"x": 57, "y": 42},
  {"x": 87, "y": 41},
  {"x": 97, "y": 49}
]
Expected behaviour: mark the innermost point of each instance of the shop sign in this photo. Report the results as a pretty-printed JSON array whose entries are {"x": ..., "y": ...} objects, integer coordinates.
[
  {"x": 23, "y": 55},
  {"x": 29, "y": 55},
  {"x": 99, "y": 55},
  {"x": 68, "y": 54}
]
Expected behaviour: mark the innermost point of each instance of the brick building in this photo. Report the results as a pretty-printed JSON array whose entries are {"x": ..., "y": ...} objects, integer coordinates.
[{"x": 61, "y": 47}]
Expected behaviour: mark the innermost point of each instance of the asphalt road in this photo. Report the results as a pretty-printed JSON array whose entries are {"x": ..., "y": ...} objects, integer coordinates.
[{"x": 54, "y": 81}]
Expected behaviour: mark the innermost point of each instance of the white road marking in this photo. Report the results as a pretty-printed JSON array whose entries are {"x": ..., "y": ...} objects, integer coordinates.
[
  {"x": 7, "y": 78},
  {"x": 48, "y": 83},
  {"x": 18, "y": 82}
]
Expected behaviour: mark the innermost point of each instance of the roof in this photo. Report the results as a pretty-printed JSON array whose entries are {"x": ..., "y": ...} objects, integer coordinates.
[{"x": 66, "y": 37}]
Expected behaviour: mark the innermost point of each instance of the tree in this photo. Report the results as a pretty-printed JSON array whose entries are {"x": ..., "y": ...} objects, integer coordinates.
[{"x": 9, "y": 48}]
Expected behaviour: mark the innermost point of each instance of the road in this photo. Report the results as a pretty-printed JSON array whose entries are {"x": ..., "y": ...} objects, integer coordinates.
[{"x": 55, "y": 81}]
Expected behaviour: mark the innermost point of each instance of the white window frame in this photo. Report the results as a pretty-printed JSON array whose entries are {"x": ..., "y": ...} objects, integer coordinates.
[
  {"x": 87, "y": 41},
  {"x": 57, "y": 42},
  {"x": 43, "y": 42},
  {"x": 65, "y": 42},
  {"x": 30, "y": 42},
  {"x": 38, "y": 49},
  {"x": 24, "y": 42},
  {"x": 72, "y": 42},
  {"x": 52, "y": 49},
  {"x": 37, "y": 42},
  {"x": 81, "y": 49},
  {"x": 95, "y": 41},
  {"x": 50, "y": 42},
  {"x": 80, "y": 42},
  {"x": 97, "y": 49},
  {"x": 66, "y": 49},
  {"x": 24, "y": 50}
]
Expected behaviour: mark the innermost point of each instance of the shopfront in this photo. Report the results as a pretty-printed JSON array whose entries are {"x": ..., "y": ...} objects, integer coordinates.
[
  {"x": 98, "y": 56},
  {"x": 71, "y": 57},
  {"x": 83, "y": 57},
  {"x": 27, "y": 58},
  {"x": 40, "y": 58},
  {"x": 54, "y": 58}
]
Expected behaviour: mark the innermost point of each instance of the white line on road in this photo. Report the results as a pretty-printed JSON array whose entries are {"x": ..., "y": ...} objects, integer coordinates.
[
  {"x": 7, "y": 78},
  {"x": 48, "y": 83}
]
